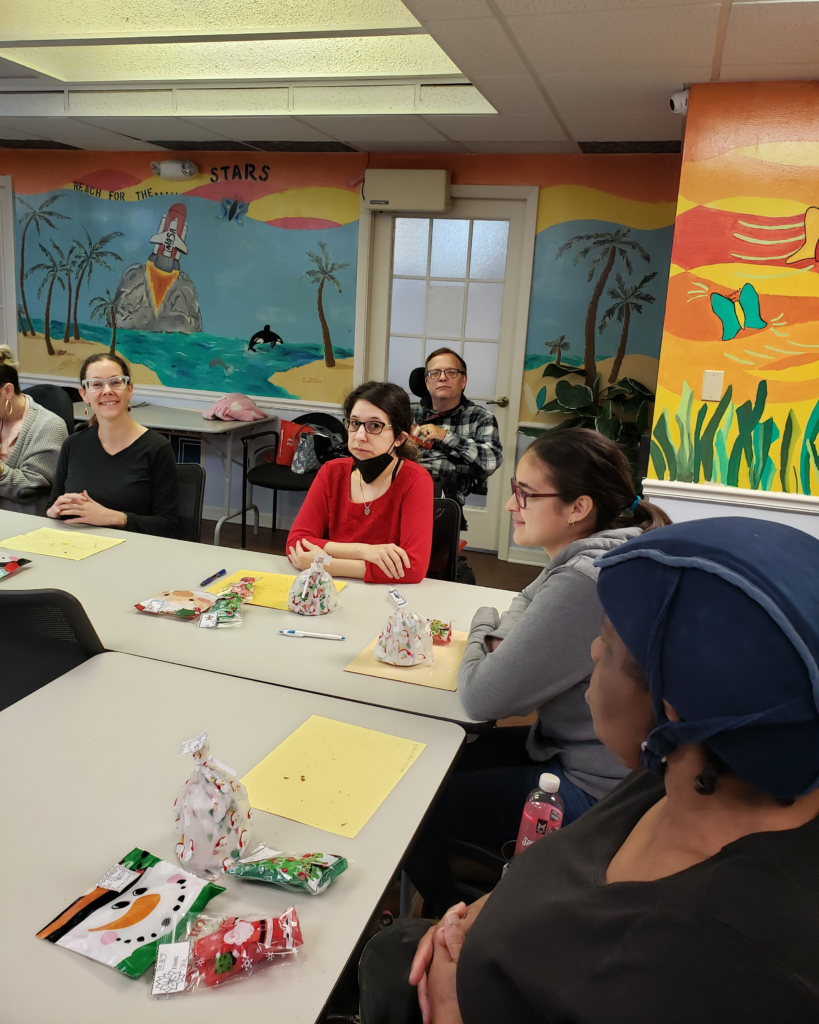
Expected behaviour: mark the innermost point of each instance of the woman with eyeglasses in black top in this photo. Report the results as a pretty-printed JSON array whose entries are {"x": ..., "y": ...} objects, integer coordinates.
[
  {"x": 371, "y": 513},
  {"x": 116, "y": 472}
]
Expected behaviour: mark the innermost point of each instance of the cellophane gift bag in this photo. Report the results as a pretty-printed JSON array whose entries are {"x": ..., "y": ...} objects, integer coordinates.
[
  {"x": 212, "y": 813},
  {"x": 313, "y": 591},
  {"x": 406, "y": 638}
]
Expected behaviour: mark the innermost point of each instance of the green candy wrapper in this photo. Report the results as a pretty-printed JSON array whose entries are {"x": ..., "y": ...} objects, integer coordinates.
[{"x": 311, "y": 872}]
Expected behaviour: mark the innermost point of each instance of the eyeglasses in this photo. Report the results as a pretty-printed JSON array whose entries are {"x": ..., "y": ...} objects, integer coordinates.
[
  {"x": 521, "y": 497},
  {"x": 371, "y": 426},
  {"x": 450, "y": 374},
  {"x": 115, "y": 383}
]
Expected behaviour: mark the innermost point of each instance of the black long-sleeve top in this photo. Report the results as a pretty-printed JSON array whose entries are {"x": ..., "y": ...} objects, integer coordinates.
[
  {"x": 732, "y": 940},
  {"x": 140, "y": 480}
]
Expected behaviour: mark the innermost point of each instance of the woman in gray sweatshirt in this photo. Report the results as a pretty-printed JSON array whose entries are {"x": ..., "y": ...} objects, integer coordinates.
[
  {"x": 30, "y": 438},
  {"x": 574, "y": 497}
]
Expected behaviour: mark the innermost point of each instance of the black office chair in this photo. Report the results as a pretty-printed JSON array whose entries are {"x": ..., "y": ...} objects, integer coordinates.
[
  {"x": 45, "y": 634},
  {"x": 191, "y": 478},
  {"x": 56, "y": 400},
  {"x": 446, "y": 535},
  {"x": 274, "y": 477}
]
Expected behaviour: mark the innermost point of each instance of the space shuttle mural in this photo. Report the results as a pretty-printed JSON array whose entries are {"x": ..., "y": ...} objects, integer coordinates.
[{"x": 157, "y": 295}]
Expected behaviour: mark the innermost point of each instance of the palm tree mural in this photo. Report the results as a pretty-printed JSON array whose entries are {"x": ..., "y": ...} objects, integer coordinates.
[
  {"x": 43, "y": 214},
  {"x": 90, "y": 255},
  {"x": 71, "y": 263},
  {"x": 627, "y": 299},
  {"x": 322, "y": 272},
  {"x": 106, "y": 308},
  {"x": 606, "y": 247},
  {"x": 55, "y": 269},
  {"x": 557, "y": 346},
  {"x": 21, "y": 325}
]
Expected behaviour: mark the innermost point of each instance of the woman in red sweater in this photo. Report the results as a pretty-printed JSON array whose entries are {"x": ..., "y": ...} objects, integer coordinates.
[{"x": 371, "y": 513}]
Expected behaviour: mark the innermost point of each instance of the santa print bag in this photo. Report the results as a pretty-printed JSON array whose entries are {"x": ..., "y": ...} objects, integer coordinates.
[{"x": 289, "y": 435}]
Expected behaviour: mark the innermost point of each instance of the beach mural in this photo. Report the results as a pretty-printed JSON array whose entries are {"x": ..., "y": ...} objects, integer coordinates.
[
  {"x": 743, "y": 295},
  {"x": 602, "y": 254},
  {"x": 239, "y": 279}
]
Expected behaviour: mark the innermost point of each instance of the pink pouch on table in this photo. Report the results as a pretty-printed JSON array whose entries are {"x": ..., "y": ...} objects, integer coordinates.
[{"x": 234, "y": 407}]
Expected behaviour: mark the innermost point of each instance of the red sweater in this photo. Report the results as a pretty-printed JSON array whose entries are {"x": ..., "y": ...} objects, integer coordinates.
[{"x": 402, "y": 516}]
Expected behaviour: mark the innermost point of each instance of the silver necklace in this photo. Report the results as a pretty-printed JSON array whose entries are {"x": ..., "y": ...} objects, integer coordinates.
[{"x": 367, "y": 504}]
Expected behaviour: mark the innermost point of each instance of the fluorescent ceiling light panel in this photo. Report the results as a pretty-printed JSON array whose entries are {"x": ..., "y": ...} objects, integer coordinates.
[
  {"x": 347, "y": 57},
  {"x": 104, "y": 19}
]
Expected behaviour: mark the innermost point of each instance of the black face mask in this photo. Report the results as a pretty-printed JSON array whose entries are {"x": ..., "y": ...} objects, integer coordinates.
[{"x": 371, "y": 469}]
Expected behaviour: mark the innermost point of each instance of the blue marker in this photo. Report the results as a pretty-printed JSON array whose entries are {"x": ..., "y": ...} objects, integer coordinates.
[{"x": 215, "y": 576}]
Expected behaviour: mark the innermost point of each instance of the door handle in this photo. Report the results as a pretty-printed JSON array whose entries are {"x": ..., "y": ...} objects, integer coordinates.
[{"x": 503, "y": 401}]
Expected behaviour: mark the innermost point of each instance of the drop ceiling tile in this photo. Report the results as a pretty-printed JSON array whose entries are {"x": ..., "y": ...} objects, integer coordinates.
[
  {"x": 8, "y": 69},
  {"x": 399, "y": 128},
  {"x": 478, "y": 46},
  {"x": 426, "y": 9},
  {"x": 261, "y": 129},
  {"x": 772, "y": 33},
  {"x": 379, "y": 146},
  {"x": 521, "y": 147},
  {"x": 499, "y": 128},
  {"x": 512, "y": 94},
  {"x": 618, "y": 40},
  {"x": 768, "y": 72},
  {"x": 516, "y": 8},
  {"x": 155, "y": 128},
  {"x": 592, "y": 92},
  {"x": 9, "y": 131},
  {"x": 615, "y": 127},
  {"x": 118, "y": 144}
]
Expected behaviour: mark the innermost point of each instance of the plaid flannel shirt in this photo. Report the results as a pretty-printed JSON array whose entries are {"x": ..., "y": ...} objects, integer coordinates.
[{"x": 470, "y": 450}]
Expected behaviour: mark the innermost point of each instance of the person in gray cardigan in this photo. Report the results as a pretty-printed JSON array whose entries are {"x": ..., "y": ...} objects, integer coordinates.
[
  {"x": 574, "y": 497},
  {"x": 30, "y": 438}
]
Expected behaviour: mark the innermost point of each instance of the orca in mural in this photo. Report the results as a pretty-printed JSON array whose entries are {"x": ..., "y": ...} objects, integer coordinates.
[
  {"x": 157, "y": 295},
  {"x": 264, "y": 337}
]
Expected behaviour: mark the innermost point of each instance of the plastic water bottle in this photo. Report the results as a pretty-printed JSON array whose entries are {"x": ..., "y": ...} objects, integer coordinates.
[{"x": 542, "y": 812}]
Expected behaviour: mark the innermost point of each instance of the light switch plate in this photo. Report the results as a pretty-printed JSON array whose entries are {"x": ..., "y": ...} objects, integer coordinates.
[{"x": 712, "y": 383}]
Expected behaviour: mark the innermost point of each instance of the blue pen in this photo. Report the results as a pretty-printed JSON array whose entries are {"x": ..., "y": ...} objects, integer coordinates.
[
  {"x": 316, "y": 636},
  {"x": 215, "y": 576}
]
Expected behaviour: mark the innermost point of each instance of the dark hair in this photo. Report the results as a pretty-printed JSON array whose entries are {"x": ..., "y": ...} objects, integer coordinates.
[
  {"x": 8, "y": 369},
  {"x": 581, "y": 461},
  {"x": 97, "y": 357},
  {"x": 445, "y": 352},
  {"x": 393, "y": 401}
]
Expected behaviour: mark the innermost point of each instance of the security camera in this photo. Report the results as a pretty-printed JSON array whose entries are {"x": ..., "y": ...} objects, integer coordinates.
[
  {"x": 175, "y": 170},
  {"x": 679, "y": 102}
]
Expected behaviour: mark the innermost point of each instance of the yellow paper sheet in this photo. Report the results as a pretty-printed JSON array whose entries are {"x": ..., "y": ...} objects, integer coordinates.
[
  {"x": 442, "y": 673},
  {"x": 61, "y": 543},
  {"x": 270, "y": 589},
  {"x": 330, "y": 775}
]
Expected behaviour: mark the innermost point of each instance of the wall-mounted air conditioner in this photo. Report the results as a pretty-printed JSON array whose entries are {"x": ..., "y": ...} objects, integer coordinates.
[{"x": 407, "y": 191}]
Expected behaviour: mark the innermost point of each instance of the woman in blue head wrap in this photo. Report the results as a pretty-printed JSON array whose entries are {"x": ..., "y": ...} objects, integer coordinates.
[{"x": 689, "y": 894}]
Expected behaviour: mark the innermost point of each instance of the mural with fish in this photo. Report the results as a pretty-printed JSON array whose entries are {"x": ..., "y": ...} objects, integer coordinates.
[
  {"x": 241, "y": 278},
  {"x": 743, "y": 294}
]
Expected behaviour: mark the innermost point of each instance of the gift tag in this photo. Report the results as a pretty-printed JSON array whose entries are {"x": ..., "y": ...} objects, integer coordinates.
[
  {"x": 117, "y": 878},
  {"x": 208, "y": 620},
  {"x": 171, "y": 971},
  {"x": 192, "y": 746},
  {"x": 396, "y": 598},
  {"x": 155, "y": 605}
]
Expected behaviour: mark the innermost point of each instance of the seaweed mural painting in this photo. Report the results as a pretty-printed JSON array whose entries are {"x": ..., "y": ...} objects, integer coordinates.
[{"x": 738, "y": 447}]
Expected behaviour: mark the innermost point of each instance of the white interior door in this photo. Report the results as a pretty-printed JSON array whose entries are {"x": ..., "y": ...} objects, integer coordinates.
[
  {"x": 8, "y": 296},
  {"x": 454, "y": 280}
]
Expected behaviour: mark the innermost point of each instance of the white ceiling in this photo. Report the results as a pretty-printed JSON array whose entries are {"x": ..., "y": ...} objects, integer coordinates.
[{"x": 558, "y": 73}]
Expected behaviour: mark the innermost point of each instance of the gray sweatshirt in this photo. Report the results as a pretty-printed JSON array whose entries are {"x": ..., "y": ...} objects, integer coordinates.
[
  {"x": 32, "y": 460},
  {"x": 544, "y": 663}
]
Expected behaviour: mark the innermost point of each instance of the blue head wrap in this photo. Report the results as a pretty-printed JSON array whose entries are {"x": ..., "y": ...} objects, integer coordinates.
[{"x": 722, "y": 616}]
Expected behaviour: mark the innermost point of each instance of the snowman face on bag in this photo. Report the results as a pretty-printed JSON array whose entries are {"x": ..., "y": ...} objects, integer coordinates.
[{"x": 138, "y": 916}]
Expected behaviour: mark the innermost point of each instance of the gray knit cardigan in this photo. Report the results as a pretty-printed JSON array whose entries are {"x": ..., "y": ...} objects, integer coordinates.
[{"x": 32, "y": 461}]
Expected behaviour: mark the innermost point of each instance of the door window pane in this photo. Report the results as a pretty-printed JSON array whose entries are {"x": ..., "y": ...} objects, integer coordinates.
[
  {"x": 435, "y": 343},
  {"x": 489, "y": 242},
  {"x": 482, "y": 362},
  {"x": 446, "y": 308},
  {"x": 407, "y": 309},
  {"x": 410, "y": 247},
  {"x": 483, "y": 311},
  {"x": 450, "y": 241},
  {"x": 405, "y": 355}
]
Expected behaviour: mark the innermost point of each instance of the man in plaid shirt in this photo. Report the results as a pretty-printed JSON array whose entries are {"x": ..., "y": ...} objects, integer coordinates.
[{"x": 463, "y": 437}]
